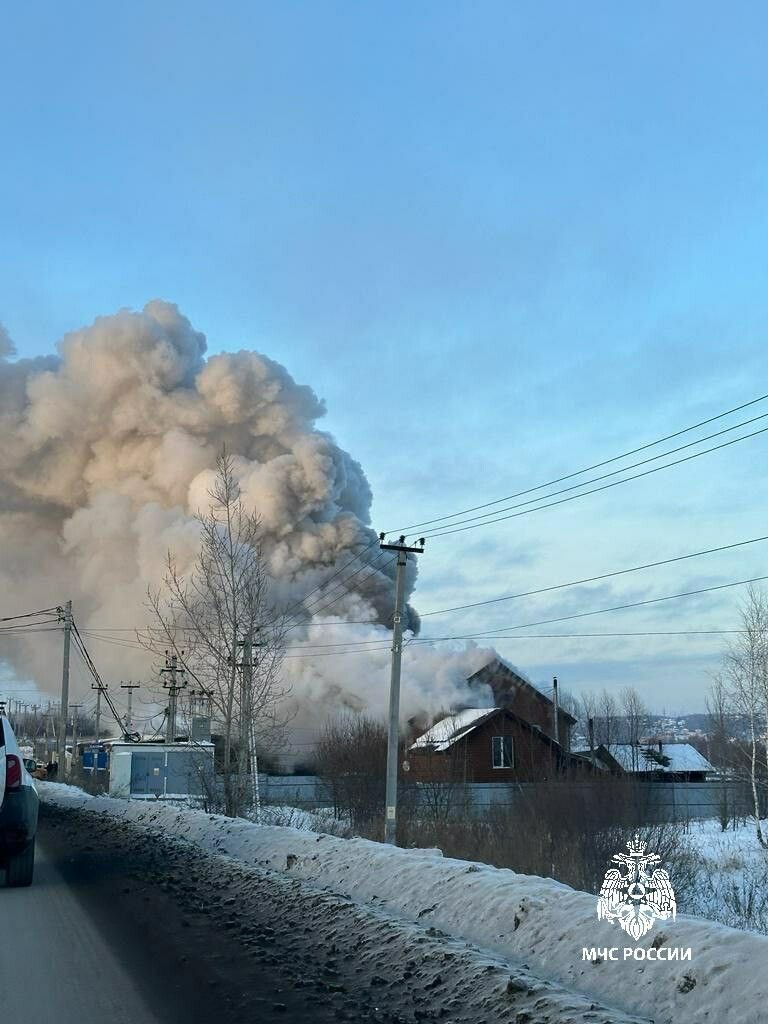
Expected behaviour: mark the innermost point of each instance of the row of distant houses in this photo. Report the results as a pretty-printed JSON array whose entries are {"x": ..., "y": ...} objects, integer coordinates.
[{"x": 526, "y": 737}]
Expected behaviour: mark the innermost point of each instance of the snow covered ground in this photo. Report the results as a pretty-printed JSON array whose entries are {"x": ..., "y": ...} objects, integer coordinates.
[
  {"x": 732, "y": 882},
  {"x": 736, "y": 845},
  {"x": 320, "y": 820},
  {"x": 522, "y": 919}
]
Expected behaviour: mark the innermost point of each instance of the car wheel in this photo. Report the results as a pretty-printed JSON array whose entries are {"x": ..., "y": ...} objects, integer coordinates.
[{"x": 21, "y": 867}]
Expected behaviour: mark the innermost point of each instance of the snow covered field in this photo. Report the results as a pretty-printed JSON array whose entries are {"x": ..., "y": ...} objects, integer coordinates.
[
  {"x": 732, "y": 878},
  {"x": 523, "y": 919}
]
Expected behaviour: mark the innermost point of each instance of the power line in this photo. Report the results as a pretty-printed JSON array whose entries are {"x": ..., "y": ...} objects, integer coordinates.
[
  {"x": 8, "y": 631},
  {"x": 302, "y": 602},
  {"x": 320, "y": 602},
  {"x": 639, "y": 633},
  {"x": 374, "y": 646},
  {"x": 615, "y": 472},
  {"x": 380, "y": 562},
  {"x": 27, "y": 615},
  {"x": 490, "y": 634},
  {"x": 354, "y": 646},
  {"x": 587, "y": 469},
  {"x": 495, "y": 633},
  {"x": 594, "y": 579},
  {"x": 604, "y": 487}
]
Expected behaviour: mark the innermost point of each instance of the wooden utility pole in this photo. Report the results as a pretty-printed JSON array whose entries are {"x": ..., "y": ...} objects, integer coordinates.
[{"x": 393, "y": 736}]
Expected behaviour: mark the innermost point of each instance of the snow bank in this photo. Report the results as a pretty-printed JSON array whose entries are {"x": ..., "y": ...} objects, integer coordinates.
[{"x": 530, "y": 920}]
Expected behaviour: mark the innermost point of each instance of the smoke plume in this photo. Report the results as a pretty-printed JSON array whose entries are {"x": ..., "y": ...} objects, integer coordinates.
[{"x": 107, "y": 451}]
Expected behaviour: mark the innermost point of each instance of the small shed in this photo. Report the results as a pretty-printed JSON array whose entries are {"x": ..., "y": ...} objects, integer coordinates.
[
  {"x": 664, "y": 762},
  {"x": 160, "y": 771}
]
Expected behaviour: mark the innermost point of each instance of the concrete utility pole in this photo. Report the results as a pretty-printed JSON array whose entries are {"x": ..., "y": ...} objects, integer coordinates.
[
  {"x": 98, "y": 689},
  {"x": 65, "y": 616},
  {"x": 393, "y": 736},
  {"x": 172, "y": 669},
  {"x": 130, "y": 687},
  {"x": 247, "y": 725},
  {"x": 74, "y": 708}
]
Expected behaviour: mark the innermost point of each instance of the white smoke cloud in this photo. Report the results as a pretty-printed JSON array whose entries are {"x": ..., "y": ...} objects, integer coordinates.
[{"x": 107, "y": 451}]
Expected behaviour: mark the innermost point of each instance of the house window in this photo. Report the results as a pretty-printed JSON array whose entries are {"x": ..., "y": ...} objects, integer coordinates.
[{"x": 502, "y": 755}]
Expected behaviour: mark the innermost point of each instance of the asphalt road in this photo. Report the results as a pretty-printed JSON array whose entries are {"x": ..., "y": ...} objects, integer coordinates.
[
  {"x": 54, "y": 963},
  {"x": 126, "y": 926}
]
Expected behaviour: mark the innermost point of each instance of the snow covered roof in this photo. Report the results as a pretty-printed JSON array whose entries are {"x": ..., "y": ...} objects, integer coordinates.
[
  {"x": 647, "y": 757},
  {"x": 447, "y": 731}
]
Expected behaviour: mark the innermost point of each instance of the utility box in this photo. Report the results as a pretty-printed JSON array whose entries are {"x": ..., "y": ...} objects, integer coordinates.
[{"x": 160, "y": 771}]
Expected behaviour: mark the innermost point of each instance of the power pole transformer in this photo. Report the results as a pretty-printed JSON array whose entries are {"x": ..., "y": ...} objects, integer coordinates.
[
  {"x": 393, "y": 735},
  {"x": 174, "y": 672}
]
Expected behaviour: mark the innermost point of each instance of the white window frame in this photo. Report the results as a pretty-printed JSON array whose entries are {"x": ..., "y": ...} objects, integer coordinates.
[{"x": 502, "y": 744}]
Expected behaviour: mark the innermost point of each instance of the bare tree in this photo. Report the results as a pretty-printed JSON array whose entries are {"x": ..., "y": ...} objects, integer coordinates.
[
  {"x": 720, "y": 716},
  {"x": 606, "y": 719},
  {"x": 719, "y": 743},
  {"x": 635, "y": 722},
  {"x": 210, "y": 617},
  {"x": 746, "y": 669},
  {"x": 585, "y": 713},
  {"x": 351, "y": 756}
]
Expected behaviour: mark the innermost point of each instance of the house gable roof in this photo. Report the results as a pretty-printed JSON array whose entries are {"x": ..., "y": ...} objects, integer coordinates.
[
  {"x": 498, "y": 665},
  {"x": 452, "y": 728},
  {"x": 458, "y": 726}
]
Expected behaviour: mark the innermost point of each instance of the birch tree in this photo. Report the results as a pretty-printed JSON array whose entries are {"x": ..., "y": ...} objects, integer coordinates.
[{"x": 746, "y": 670}]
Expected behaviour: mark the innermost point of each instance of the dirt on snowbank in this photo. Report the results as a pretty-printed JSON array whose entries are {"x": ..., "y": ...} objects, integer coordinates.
[{"x": 243, "y": 943}]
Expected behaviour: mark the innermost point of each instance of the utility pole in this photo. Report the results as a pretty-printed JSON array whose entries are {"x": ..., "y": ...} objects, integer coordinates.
[
  {"x": 65, "y": 616},
  {"x": 75, "y": 708},
  {"x": 250, "y": 760},
  {"x": 98, "y": 688},
  {"x": 130, "y": 687},
  {"x": 403, "y": 550},
  {"x": 173, "y": 671}
]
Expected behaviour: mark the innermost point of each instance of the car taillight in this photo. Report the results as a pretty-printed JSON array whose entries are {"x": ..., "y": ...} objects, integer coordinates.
[{"x": 12, "y": 772}]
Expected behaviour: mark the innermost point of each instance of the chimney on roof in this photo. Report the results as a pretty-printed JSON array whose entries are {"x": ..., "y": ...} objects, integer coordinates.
[
  {"x": 555, "y": 710},
  {"x": 591, "y": 730},
  {"x": 661, "y": 750}
]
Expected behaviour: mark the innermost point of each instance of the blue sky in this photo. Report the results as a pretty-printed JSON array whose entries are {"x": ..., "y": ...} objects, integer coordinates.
[{"x": 501, "y": 240}]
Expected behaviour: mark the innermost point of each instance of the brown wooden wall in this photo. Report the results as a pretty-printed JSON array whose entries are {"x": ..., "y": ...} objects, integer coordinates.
[
  {"x": 512, "y": 692},
  {"x": 470, "y": 758}
]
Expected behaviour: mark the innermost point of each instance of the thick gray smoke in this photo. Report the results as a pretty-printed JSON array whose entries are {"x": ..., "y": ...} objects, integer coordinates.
[{"x": 107, "y": 451}]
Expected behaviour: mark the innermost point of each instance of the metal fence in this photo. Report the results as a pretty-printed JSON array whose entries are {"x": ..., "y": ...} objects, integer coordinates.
[
  {"x": 654, "y": 801},
  {"x": 306, "y": 791}
]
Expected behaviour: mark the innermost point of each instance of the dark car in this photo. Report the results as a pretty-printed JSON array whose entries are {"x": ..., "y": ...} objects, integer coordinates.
[{"x": 18, "y": 811}]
